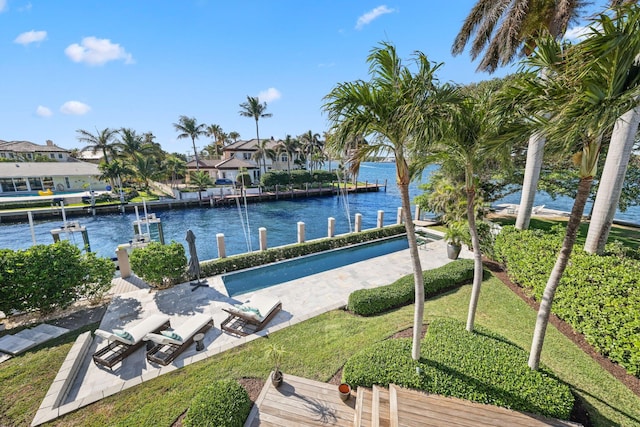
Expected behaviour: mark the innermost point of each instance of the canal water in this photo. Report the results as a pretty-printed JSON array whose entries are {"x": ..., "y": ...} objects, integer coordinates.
[{"x": 280, "y": 218}]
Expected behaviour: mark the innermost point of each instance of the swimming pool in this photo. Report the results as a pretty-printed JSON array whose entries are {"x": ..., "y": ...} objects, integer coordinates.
[{"x": 273, "y": 274}]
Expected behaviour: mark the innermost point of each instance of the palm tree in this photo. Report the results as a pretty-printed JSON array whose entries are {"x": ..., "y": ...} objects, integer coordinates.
[
  {"x": 290, "y": 147},
  {"x": 146, "y": 168},
  {"x": 520, "y": 21},
  {"x": 234, "y": 135},
  {"x": 264, "y": 152},
  {"x": 216, "y": 132},
  {"x": 188, "y": 127},
  {"x": 253, "y": 108},
  {"x": 114, "y": 171},
  {"x": 201, "y": 180},
  {"x": 466, "y": 145},
  {"x": 129, "y": 143},
  {"x": 585, "y": 91},
  {"x": 397, "y": 107},
  {"x": 311, "y": 145},
  {"x": 174, "y": 167},
  {"x": 102, "y": 140}
]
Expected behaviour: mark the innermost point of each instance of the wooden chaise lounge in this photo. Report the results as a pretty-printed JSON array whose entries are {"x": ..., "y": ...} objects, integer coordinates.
[
  {"x": 251, "y": 316},
  {"x": 121, "y": 343},
  {"x": 169, "y": 344}
]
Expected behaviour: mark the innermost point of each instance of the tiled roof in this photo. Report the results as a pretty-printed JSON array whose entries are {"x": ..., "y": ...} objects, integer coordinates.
[
  {"x": 24, "y": 169},
  {"x": 236, "y": 164},
  {"x": 28, "y": 147}
]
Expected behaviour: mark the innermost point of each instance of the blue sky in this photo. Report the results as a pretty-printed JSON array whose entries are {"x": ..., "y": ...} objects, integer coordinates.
[{"x": 88, "y": 64}]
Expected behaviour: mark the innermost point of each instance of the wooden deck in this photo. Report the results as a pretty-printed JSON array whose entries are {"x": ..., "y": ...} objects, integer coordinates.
[{"x": 302, "y": 402}]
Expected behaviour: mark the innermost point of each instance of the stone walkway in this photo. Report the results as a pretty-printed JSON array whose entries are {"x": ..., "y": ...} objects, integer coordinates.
[
  {"x": 301, "y": 299},
  {"x": 11, "y": 345}
]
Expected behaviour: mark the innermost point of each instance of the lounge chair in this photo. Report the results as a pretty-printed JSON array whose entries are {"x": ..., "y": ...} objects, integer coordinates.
[
  {"x": 251, "y": 316},
  {"x": 123, "y": 342},
  {"x": 169, "y": 344}
]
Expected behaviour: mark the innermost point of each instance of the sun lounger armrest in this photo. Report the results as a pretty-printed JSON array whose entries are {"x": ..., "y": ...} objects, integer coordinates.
[{"x": 109, "y": 336}]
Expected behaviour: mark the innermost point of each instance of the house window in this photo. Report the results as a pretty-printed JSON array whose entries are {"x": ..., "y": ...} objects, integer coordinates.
[
  {"x": 284, "y": 158},
  {"x": 47, "y": 182},
  {"x": 6, "y": 185},
  {"x": 247, "y": 156},
  {"x": 60, "y": 156},
  {"x": 35, "y": 184},
  {"x": 20, "y": 184},
  {"x": 29, "y": 156},
  {"x": 66, "y": 181},
  {"x": 53, "y": 156}
]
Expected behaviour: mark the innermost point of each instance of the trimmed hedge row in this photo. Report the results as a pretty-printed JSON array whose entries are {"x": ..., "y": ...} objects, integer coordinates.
[
  {"x": 254, "y": 259},
  {"x": 224, "y": 403},
  {"x": 369, "y": 302},
  {"x": 161, "y": 266},
  {"x": 599, "y": 296},
  {"x": 477, "y": 366},
  {"x": 51, "y": 277}
]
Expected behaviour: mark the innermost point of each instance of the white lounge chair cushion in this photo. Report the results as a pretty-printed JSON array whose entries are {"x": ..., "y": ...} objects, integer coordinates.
[
  {"x": 136, "y": 332},
  {"x": 258, "y": 307},
  {"x": 161, "y": 339},
  {"x": 192, "y": 325}
]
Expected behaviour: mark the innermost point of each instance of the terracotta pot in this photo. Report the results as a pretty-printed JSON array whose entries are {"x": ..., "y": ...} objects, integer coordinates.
[{"x": 345, "y": 391}]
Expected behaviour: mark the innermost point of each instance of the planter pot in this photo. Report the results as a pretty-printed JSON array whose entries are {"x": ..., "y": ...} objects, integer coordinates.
[
  {"x": 453, "y": 250},
  {"x": 276, "y": 378},
  {"x": 344, "y": 390}
]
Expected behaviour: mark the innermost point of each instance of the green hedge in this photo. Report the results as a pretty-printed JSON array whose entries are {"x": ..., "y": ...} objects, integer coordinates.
[
  {"x": 224, "y": 403},
  {"x": 474, "y": 366},
  {"x": 161, "y": 266},
  {"x": 599, "y": 296},
  {"x": 50, "y": 277},
  {"x": 254, "y": 259},
  {"x": 369, "y": 302}
]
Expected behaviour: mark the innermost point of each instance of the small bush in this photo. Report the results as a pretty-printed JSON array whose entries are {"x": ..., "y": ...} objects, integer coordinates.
[
  {"x": 224, "y": 403},
  {"x": 161, "y": 266},
  {"x": 254, "y": 259},
  {"x": 369, "y": 302},
  {"x": 473, "y": 366}
]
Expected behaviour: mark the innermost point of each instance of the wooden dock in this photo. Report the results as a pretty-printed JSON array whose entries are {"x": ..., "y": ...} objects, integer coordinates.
[{"x": 302, "y": 402}]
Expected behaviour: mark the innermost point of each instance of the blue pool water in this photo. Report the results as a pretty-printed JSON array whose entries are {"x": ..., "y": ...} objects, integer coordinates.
[{"x": 272, "y": 274}]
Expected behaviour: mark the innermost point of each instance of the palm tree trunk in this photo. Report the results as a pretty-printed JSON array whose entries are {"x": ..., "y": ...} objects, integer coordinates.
[
  {"x": 558, "y": 269},
  {"x": 477, "y": 259},
  {"x": 535, "y": 153},
  {"x": 195, "y": 153},
  {"x": 417, "y": 271},
  {"x": 613, "y": 173}
]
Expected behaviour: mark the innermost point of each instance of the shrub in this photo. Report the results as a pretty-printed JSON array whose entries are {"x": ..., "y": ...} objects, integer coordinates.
[
  {"x": 224, "y": 403},
  {"x": 369, "y": 302},
  {"x": 48, "y": 277},
  {"x": 161, "y": 266},
  {"x": 474, "y": 366},
  {"x": 599, "y": 296},
  {"x": 254, "y": 259}
]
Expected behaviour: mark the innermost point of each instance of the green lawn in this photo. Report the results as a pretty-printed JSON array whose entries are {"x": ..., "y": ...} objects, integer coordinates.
[
  {"x": 316, "y": 349},
  {"x": 627, "y": 235}
]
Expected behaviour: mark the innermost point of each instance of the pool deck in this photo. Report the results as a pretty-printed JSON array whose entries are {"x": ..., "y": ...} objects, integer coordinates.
[{"x": 301, "y": 299}]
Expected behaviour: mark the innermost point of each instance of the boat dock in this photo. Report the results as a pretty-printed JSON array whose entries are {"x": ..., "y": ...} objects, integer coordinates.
[{"x": 54, "y": 211}]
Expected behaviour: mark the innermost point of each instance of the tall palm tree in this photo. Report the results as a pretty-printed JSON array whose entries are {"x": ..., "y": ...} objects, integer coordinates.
[
  {"x": 290, "y": 147},
  {"x": 585, "y": 91},
  {"x": 255, "y": 109},
  {"x": 467, "y": 144},
  {"x": 146, "y": 168},
  {"x": 504, "y": 29},
  {"x": 311, "y": 145},
  {"x": 201, "y": 180},
  {"x": 188, "y": 127},
  {"x": 102, "y": 140},
  {"x": 397, "y": 108},
  {"x": 174, "y": 167},
  {"x": 264, "y": 152},
  {"x": 234, "y": 135},
  {"x": 129, "y": 143},
  {"x": 215, "y": 131}
]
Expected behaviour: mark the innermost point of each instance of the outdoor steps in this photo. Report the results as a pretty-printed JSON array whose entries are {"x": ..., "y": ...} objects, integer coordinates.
[{"x": 401, "y": 407}]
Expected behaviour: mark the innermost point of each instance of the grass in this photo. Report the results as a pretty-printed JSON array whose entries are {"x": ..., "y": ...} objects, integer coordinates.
[
  {"x": 629, "y": 236},
  {"x": 316, "y": 348}
]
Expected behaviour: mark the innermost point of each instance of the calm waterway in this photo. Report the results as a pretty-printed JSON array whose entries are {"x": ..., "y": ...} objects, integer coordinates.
[{"x": 106, "y": 232}]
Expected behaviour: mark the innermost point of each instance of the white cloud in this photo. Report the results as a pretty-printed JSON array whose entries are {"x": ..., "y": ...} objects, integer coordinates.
[
  {"x": 3, "y": 5},
  {"x": 269, "y": 95},
  {"x": 75, "y": 108},
  {"x": 579, "y": 33},
  {"x": 30, "y": 37},
  {"x": 94, "y": 51},
  {"x": 371, "y": 15},
  {"x": 43, "y": 111}
]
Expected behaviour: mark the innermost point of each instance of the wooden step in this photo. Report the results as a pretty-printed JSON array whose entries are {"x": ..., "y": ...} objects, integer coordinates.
[
  {"x": 362, "y": 417},
  {"x": 380, "y": 407}
]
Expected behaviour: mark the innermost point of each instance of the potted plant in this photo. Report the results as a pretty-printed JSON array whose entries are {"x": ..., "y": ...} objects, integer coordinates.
[
  {"x": 454, "y": 234},
  {"x": 275, "y": 353}
]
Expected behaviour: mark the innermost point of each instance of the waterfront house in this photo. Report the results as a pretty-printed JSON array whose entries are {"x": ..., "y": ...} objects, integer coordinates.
[
  {"x": 240, "y": 156},
  {"x": 29, "y": 177},
  {"x": 25, "y": 151}
]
